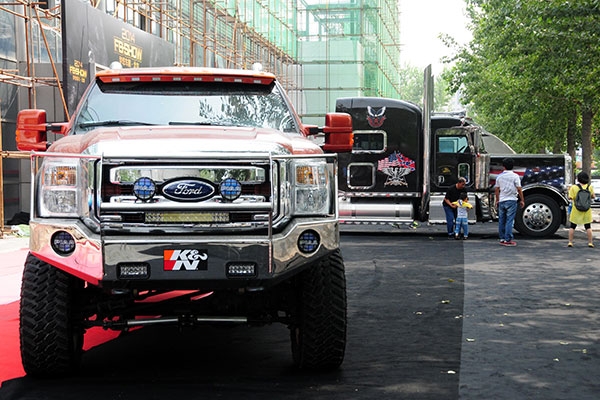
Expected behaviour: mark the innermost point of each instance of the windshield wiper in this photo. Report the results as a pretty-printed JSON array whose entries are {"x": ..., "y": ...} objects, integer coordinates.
[{"x": 112, "y": 122}]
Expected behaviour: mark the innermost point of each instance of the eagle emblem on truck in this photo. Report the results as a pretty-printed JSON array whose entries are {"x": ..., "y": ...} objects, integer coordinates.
[
  {"x": 396, "y": 166},
  {"x": 375, "y": 116}
]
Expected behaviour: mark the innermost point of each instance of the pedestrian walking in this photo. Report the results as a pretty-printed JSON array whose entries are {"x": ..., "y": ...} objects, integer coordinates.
[
  {"x": 452, "y": 195},
  {"x": 581, "y": 215},
  {"x": 509, "y": 195},
  {"x": 462, "y": 216}
]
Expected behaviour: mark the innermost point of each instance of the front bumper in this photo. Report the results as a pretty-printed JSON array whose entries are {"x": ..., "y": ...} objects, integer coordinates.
[{"x": 184, "y": 260}]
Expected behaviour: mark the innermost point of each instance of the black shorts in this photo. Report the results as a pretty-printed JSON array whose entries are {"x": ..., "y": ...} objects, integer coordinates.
[{"x": 586, "y": 226}]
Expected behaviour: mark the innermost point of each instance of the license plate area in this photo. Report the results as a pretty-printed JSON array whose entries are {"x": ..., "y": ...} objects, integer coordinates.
[{"x": 187, "y": 259}]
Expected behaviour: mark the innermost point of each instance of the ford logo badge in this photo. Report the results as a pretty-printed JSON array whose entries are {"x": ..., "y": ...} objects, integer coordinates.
[{"x": 188, "y": 189}]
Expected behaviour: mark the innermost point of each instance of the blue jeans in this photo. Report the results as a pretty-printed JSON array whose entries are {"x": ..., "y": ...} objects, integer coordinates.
[
  {"x": 464, "y": 224},
  {"x": 450, "y": 215},
  {"x": 507, "y": 210}
]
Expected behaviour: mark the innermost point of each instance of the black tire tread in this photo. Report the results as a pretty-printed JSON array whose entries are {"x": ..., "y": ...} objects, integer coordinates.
[
  {"x": 51, "y": 343},
  {"x": 319, "y": 339}
]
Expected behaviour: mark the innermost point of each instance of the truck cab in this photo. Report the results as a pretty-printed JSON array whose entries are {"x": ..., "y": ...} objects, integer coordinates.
[
  {"x": 396, "y": 168},
  {"x": 457, "y": 150},
  {"x": 381, "y": 180}
]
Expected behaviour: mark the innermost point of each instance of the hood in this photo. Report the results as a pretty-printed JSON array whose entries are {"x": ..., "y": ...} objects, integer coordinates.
[{"x": 186, "y": 140}]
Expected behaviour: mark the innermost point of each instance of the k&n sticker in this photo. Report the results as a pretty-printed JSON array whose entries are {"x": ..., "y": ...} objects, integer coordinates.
[{"x": 185, "y": 260}]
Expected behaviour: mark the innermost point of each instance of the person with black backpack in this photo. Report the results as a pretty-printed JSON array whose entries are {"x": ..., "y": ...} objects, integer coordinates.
[{"x": 581, "y": 196}]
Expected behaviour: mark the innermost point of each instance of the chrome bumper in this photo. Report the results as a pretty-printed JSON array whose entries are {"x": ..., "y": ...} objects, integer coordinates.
[{"x": 96, "y": 258}]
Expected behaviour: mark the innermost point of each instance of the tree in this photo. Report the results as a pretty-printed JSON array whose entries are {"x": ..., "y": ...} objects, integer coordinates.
[
  {"x": 411, "y": 84},
  {"x": 530, "y": 68},
  {"x": 411, "y": 88}
]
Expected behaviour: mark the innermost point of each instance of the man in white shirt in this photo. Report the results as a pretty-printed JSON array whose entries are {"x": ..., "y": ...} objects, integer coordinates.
[{"x": 508, "y": 192}]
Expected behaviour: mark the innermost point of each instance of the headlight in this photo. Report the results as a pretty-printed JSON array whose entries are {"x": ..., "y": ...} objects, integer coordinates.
[
  {"x": 63, "y": 189},
  {"x": 312, "y": 191}
]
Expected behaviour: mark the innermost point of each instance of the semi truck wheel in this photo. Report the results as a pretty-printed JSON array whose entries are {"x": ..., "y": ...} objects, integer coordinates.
[
  {"x": 539, "y": 218},
  {"x": 318, "y": 334},
  {"x": 51, "y": 328}
]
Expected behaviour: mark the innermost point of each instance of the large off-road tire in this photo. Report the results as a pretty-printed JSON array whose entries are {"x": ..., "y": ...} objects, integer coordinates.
[
  {"x": 539, "y": 218},
  {"x": 318, "y": 334},
  {"x": 51, "y": 327}
]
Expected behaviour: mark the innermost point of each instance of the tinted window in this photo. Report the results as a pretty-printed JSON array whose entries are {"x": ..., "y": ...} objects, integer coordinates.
[{"x": 181, "y": 103}]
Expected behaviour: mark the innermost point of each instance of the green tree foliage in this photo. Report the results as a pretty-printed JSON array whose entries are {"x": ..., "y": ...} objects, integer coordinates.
[
  {"x": 411, "y": 84},
  {"x": 531, "y": 72},
  {"x": 411, "y": 88}
]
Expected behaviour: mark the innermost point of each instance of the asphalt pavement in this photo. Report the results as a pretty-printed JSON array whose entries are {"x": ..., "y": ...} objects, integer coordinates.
[{"x": 428, "y": 318}]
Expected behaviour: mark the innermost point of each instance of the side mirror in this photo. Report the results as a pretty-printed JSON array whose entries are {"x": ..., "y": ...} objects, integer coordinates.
[
  {"x": 339, "y": 137},
  {"x": 31, "y": 130}
]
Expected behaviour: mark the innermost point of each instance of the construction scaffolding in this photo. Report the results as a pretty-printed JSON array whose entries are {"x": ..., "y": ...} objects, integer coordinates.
[
  {"x": 319, "y": 46},
  {"x": 226, "y": 34},
  {"x": 347, "y": 48},
  {"x": 33, "y": 23}
]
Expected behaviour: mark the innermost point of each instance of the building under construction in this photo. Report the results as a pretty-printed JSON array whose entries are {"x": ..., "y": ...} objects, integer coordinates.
[{"x": 319, "y": 49}]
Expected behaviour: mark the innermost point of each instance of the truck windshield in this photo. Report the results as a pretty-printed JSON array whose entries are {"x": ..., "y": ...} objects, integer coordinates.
[
  {"x": 182, "y": 103},
  {"x": 452, "y": 140}
]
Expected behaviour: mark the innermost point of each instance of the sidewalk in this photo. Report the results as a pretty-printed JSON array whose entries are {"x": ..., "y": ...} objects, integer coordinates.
[
  {"x": 486, "y": 228},
  {"x": 12, "y": 243},
  {"x": 13, "y": 250}
]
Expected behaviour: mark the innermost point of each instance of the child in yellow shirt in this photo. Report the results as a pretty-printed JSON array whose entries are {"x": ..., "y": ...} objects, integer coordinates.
[{"x": 462, "y": 216}]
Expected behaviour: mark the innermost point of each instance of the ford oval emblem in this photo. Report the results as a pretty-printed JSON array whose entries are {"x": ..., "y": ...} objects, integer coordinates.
[{"x": 188, "y": 189}]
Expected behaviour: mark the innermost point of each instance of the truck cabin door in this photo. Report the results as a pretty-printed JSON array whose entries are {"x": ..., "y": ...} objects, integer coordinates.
[{"x": 454, "y": 157}]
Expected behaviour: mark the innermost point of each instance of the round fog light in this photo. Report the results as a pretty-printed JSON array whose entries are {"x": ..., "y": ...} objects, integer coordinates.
[
  {"x": 63, "y": 243},
  {"x": 230, "y": 189},
  {"x": 144, "y": 188},
  {"x": 309, "y": 241}
]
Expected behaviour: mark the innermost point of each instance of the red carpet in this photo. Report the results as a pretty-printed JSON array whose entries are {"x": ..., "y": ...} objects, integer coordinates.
[
  {"x": 10, "y": 285},
  {"x": 10, "y": 355}
]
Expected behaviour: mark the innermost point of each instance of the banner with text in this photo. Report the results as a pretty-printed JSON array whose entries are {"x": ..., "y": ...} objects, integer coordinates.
[{"x": 91, "y": 37}]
